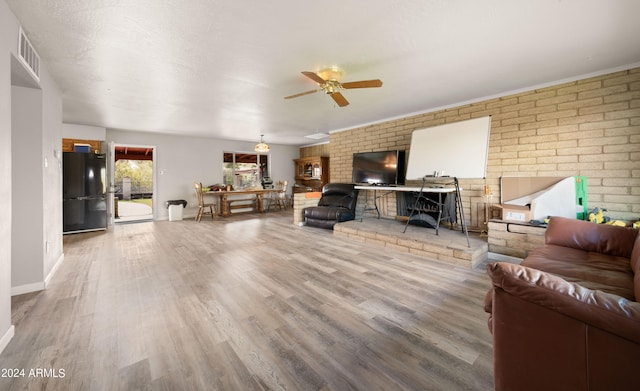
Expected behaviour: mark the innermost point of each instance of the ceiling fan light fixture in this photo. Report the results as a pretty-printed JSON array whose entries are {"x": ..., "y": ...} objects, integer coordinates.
[
  {"x": 330, "y": 82},
  {"x": 331, "y": 74},
  {"x": 262, "y": 146},
  {"x": 331, "y": 86}
]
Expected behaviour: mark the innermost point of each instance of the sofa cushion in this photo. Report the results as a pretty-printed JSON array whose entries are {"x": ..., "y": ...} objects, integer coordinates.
[
  {"x": 583, "y": 235},
  {"x": 339, "y": 194},
  {"x": 607, "y": 273},
  {"x": 336, "y": 200},
  {"x": 338, "y": 214}
]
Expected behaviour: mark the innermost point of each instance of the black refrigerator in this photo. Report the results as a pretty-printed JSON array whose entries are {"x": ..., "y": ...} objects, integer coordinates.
[{"x": 84, "y": 192}]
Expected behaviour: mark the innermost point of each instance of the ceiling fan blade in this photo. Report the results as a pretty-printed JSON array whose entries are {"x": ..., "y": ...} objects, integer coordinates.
[
  {"x": 362, "y": 84},
  {"x": 340, "y": 99},
  {"x": 301, "y": 94},
  {"x": 314, "y": 77}
]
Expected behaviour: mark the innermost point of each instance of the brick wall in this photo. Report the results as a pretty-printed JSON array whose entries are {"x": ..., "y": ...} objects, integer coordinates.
[
  {"x": 302, "y": 201},
  {"x": 513, "y": 239},
  {"x": 588, "y": 127}
]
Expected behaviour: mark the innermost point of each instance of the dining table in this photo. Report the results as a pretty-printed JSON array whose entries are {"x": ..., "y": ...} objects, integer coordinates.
[{"x": 226, "y": 199}]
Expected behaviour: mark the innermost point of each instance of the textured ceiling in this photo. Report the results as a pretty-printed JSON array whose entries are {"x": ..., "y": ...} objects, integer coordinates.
[{"x": 221, "y": 68}]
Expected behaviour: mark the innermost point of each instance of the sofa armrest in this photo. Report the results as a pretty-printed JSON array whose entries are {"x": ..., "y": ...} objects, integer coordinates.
[{"x": 605, "y": 311}]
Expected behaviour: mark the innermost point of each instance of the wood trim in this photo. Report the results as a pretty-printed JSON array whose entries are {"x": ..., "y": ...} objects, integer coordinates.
[{"x": 68, "y": 144}]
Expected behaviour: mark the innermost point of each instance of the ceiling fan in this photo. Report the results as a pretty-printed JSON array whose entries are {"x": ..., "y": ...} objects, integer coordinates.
[{"x": 330, "y": 81}]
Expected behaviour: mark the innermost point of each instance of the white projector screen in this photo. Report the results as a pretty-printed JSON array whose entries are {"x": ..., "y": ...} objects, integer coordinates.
[{"x": 458, "y": 149}]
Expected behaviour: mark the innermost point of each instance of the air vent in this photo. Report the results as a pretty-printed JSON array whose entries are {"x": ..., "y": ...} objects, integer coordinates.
[{"x": 28, "y": 55}]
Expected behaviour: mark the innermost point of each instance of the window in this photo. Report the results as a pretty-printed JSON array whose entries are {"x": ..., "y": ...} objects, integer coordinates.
[{"x": 244, "y": 170}]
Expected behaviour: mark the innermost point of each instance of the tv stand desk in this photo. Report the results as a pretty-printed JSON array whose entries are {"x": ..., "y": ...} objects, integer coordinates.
[
  {"x": 387, "y": 190},
  {"x": 436, "y": 187}
]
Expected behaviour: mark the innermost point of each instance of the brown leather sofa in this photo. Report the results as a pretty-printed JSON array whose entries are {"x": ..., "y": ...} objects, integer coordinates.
[{"x": 566, "y": 318}]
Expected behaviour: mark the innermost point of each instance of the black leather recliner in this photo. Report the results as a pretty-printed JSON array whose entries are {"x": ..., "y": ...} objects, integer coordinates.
[{"x": 337, "y": 204}]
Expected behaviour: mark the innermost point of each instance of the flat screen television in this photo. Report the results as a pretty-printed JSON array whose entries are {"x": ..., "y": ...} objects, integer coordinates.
[{"x": 379, "y": 168}]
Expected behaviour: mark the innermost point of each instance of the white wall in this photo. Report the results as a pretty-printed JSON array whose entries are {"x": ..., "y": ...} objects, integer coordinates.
[
  {"x": 180, "y": 160},
  {"x": 37, "y": 184},
  {"x": 8, "y": 43},
  {"x": 27, "y": 185},
  {"x": 30, "y": 175},
  {"x": 51, "y": 155}
]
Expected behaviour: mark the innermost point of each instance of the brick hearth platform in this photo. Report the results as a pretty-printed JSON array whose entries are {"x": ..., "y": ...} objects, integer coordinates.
[{"x": 449, "y": 246}]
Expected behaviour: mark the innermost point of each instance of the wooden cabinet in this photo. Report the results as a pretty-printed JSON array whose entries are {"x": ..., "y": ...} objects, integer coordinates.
[{"x": 311, "y": 174}]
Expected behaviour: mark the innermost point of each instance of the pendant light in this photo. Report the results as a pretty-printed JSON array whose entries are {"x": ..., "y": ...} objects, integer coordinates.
[{"x": 261, "y": 146}]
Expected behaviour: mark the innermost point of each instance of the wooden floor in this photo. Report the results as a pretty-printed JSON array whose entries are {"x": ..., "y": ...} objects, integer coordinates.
[{"x": 249, "y": 303}]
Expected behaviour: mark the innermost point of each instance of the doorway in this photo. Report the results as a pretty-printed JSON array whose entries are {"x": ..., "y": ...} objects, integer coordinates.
[{"x": 133, "y": 184}]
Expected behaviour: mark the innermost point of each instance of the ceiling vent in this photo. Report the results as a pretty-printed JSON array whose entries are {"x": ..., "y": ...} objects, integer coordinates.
[
  {"x": 317, "y": 136},
  {"x": 28, "y": 55}
]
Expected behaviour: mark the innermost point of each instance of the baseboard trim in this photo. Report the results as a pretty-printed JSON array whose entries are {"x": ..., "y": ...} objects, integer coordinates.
[
  {"x": 27, "y": 288},
  {"x": 6, "y": 338},
  {"x": 53, "y": 271},
  {"x": 38, "y": 286}
]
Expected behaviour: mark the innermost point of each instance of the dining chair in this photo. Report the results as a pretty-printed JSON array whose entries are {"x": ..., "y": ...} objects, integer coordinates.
[
  {"x": 202, "y": 206},
  {"x": 279, "y": 197},
  {"x": 289, "y": 199}
]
